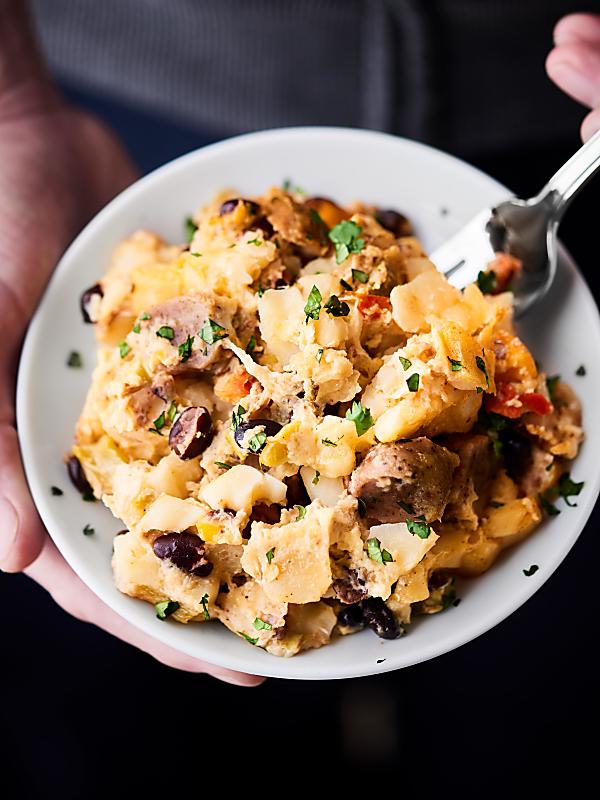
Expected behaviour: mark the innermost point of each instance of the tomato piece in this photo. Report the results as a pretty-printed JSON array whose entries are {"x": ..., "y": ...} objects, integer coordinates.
[
  {"x": 536, "y": 403},
  {"x": 499, "y": 403},
  {"x": 506, "y": 268},
  {"x": 371, "y": 305}
]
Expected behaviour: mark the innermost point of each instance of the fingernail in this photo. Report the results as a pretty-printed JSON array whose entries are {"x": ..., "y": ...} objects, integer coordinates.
[
  {"x": 575, "y": 82},
  {"x": 8, "y": 529}
]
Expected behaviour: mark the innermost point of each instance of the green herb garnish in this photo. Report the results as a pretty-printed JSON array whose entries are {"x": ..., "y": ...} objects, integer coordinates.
[
  {"x": 145, "y": 316},
  {"x": 185, "y": 349},
  {"x": 88, "y": 530},
  {"x": 531, "y": 571},
  {"x": 337, "y": 307},
  {"x": 580, "y": 371},
  {"x": 261, "y": 625},
  {"x": 212, "y": 332},
  {"x": 359, "y": 275},
  {"x": 270, "y": 555},
  {"x": 345, "y": 235},
  {"x": 223, "y": 465},
  {"x": 301, "y": 512},
  {"x": 361, "y": 417},
  {"x": 420, "y": 529},
  {"x": 237, "y": 417},
  {"x": 455, "y": 366},
  {"x": 481, "y": 366},
  {"x": 257, "y": 442},
  {"x": 550, "y": 509},
  {"x": 204, "y": 601},
  {"x": 124, "y": 349},
  {"x": 172, "y": 411},
  {"x": 551, "y": 382},
  {"x": 56, "y": 491},
  {"x": 345, "y": 285},
  {"x": 328, "y": 443},
  {"x": 413, "y": 382},
  {"x": 190, "y": 229},
  {"x": 137, "y": 327},
  {"x": 406, "y": 362},
  {"x": 319, "y": 355},
  {"x": 315, "y": 480},
  {"x": 568, "y": 488},
  {"x": 166, "y": 608},
  {"x": 312, "y": 309},
  {"x": 487, "y": 282},
  {"x": 375, "y": 552},
  {"x": 74, "y": 359},
  {"x": 248, "y": 638},
  {"x": 251, "y": 345},
  {"x": 257, "y": 242},
  {"x": 158, "y": 424},
  {"x": 496, "y": 504},
  {"x": 166, "y": 332}
]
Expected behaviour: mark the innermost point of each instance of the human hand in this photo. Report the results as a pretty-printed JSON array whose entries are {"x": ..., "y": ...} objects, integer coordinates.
[
  {"x": 58, "y": 166},
  {"x": 574, "y": 64}
]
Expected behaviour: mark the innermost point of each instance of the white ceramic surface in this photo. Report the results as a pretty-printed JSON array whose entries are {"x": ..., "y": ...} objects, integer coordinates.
[{"x": 439, "y": 194}]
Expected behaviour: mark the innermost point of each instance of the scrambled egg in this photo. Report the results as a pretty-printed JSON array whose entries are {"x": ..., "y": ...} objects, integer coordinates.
[{"x": 304, "y": 428}]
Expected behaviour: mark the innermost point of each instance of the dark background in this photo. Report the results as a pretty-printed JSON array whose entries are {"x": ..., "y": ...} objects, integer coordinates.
[{"x": 84, "y": 715}]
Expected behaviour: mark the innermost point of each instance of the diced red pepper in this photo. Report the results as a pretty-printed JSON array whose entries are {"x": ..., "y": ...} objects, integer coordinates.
[
  {"x": 500, "y": 403},
  {"x": 536, "y": 403},
  {"x": 371, "y": 305}
]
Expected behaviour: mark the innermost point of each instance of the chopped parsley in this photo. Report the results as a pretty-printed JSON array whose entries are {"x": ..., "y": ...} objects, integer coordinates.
[
  {"x": 158, "y": 424},
  {"x": 145, "y": 316},
  {"x": 204, "y": 601},
  {"x": 137, "y": 327},
  {"x": 88, "y": 530},
  {"x": 359, "y": 275},
  {"x": 185, "y": 349},
  {"x": 190, "y": 229},
  {"x": 212, "y": 332},
  {"x": 56, "y": 491},
  {"x": 166, "y": 332},
  {"x": 124, "y": 349},
  {"x": 248, "y": 638},
  {"x": 337, "y": 307},
  {"x": 551, "y": 382},
  {"x": 482, "y": 368},
  {"x": 345, "y": 285},
  {"x": 270, "y": 555},
  {"x": 251, "y": 345},
  {"x": 455, "y": 366},
  {"x": 345, "y": 236},
  {"x": 74, "y": 359},
  {"x": 580, "y": 371},
  {"x": 301, "y": 512},
  {"x": 223, "y": 465},
  {"x": 487, "y": 281},
  {"x": 237, "y": 417},
  {"x": 375, "y": 552},
  {"x": 549, "y": 467},
  {"x": 496, "y": 504},
  {"x": 406, "y": 363},
  {"x": 312, "y": 309},
  {"x": 361, "y": 417},
  {"x": 314, "y": 481},
  {"x": 257, "y": 242},
  {"x": 531, "y": 571},
  {"x": 319, "y": 355},
  {"x": 413, "y": 382},
  {"x": 172, "y": 411},
  {"x": 328, "y": 443},
  {"x": 288, "y": 186},
  {"x": 568, "y": 488},
  {"x": 166, "y": 608},
  {"x": 417, "y": 528},
  {"x": 257, "y": 442},
  {"x": 261, "y": 625},
  {"x": 549, "y": 507},
  {"x": 317, "y": 218},
  {"x": 260, "y": 291},
  {"x": 406, "y": 507}
]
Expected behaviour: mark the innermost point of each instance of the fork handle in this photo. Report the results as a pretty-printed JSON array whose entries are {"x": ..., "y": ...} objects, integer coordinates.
[{"x": 564, "y": 184}]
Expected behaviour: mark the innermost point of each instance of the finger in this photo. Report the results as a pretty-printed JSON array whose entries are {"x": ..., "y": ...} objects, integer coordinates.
[
  {"x": 575, "y": 68},
  {"x": 21, "y": 531},
  {"x": 590, "y": 124},
  {"x": 577, "y": 28},
  {"x": 52, "y": 572}
]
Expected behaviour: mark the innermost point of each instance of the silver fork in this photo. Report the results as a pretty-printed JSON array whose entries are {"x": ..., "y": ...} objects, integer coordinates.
[{"x": 526, "y": 229}]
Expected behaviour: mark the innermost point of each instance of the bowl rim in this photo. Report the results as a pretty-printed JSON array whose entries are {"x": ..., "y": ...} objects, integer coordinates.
[{"x": 298, "y": 667}]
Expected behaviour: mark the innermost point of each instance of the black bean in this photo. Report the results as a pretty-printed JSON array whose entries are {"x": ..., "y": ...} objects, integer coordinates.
[
  {"x": 229, "y": 205},
  {"x": 191, "y": 433},
  {"x": 270, "y": 428},
  {"x": 351, "y": 588},
  {"x": 186, "y": 551},
  {"x": 351, "y": 617},
  {"x": 516, "y": 452},
  {"x": 86, "y": 299},
  {"x": 78, "y": 479},
  {"x": 392, "y": 221},
  {"x": 380, "y": 619}
]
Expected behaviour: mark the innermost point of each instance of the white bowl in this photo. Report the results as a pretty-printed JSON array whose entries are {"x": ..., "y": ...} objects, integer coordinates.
[{"x": 439, "y": 193}]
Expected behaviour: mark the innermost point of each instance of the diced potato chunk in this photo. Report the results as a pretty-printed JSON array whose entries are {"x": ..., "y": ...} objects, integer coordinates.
[{"x": 241, "y": 487}]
